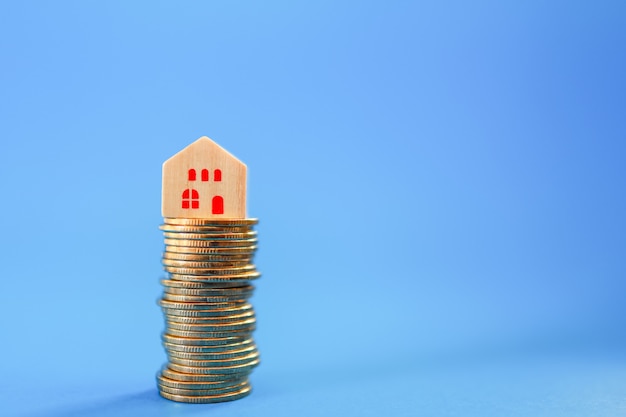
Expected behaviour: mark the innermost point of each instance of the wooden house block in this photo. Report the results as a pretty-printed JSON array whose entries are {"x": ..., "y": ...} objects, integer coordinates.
[{"x": 204, "y": 181}]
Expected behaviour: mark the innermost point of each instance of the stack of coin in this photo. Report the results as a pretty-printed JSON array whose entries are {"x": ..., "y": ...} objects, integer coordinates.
[{"x": 209, "y": 321}]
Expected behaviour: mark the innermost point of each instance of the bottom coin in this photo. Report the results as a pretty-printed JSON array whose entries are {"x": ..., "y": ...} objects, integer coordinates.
[
  {"x": 198, "y": 378},
  {"x": 191, "y": 385},
  {"x": 206, "y": 399},
  {"x": 202, "y": 392}
]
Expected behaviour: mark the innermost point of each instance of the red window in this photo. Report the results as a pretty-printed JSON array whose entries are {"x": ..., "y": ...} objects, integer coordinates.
[
  {"x": 192, "y": 174},
  {"x": 217, "y": 205},
  {"x": 191, "y": 199},
  {"x": 205, "y": 175},
  {"x": 217, "y": 175}
]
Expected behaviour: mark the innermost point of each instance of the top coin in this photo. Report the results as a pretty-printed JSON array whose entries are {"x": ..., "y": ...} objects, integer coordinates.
[
  {"x": 209, "y": 222},
  {"x": 210, "y": 236},
  {"x": 198, "y": 229}
]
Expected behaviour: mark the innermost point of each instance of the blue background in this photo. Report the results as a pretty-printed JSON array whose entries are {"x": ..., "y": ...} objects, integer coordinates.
[{"x": 440, "y": 188}]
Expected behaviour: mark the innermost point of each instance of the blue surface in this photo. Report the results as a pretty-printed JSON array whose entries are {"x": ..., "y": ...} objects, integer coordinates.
[{"x": 440, "y": 187}]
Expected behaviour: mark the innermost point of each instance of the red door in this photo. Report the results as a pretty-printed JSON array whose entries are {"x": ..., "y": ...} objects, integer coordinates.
[{"x": 217, "y": 205}]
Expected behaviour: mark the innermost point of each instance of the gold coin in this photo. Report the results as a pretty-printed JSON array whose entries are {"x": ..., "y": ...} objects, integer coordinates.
[
  {"x": 223, "y": 350},
  {"x": 209, "y": 399},
  {"x": 243, "y": 243},
  {"x": 207, "y": 265},
  {"x": 219, "y": 352},
  {"x": 198, "y": 313},
  {"x": 213, "y": 325},
  {"x": 183, "y": 274},
  {"x": 217, "y": 308},
  {"x": 199, "y": 356},
  {"x": 202, "y": 299},
  {"x": 207, "y": 342},
  {"x": 214, "y": 235},
  {"x": 206, "y": 306},
  {"x": 203, "y": 392},
  {"x": 202, "y": 289},
  {"x": 230, "y": 264},
  {"x": 202, "y": 229},
  {"x": 216, "y": 363},
  {"x": 208, "y": 292},
  {"x": 217, "y": 284},
  {"x": 199, "y": 285},
  {"x": 207, "y": 236},
  {"x": 212, "y": 279},
  {"x": 209, "y": 319},
  {"x": 248, "y": 251},
  {"x": 196, "y": 349},
  {"x": 197, "y": 269},
  {"x": 234, "y": 265},
  {"x": 206, "y": 257},
  {"x": 209, "y": 222},
  {"x": 216, "y": 315},
  {"x": 193, "y": 385},
  {"x": 210, "y": 335},
  {"x": 243, "y": 325},
  {"x": 206, "y": 378},
  {"x": 215, "y": 370}
]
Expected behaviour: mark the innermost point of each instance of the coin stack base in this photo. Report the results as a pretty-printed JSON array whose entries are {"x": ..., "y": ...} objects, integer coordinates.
[{"x": 209, "y": 321}]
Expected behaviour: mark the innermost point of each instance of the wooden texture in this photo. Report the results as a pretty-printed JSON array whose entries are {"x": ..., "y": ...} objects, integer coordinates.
[{"x": 216, "y": 188}]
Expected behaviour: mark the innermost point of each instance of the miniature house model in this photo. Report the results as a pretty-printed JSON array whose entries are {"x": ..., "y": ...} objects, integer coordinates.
[{"x": 204, "y": 181}]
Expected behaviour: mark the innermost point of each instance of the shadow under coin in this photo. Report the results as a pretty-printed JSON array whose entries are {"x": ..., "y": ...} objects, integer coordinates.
[{"x": 138, "y": 404}]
